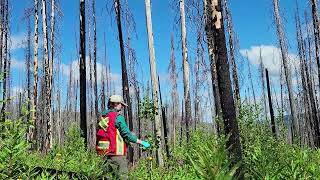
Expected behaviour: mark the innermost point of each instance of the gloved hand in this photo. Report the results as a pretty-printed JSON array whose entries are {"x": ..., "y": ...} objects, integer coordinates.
[{"x": 145, "y": 144}]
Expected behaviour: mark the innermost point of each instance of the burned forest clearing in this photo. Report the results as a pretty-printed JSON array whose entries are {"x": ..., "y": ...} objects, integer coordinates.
[{"x": 159, "y": 89}]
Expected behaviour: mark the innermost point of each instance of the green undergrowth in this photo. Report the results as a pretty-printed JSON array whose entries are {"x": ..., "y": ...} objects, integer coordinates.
[
  {"x": 69, "y": 161},
  {"x": 204, "y": 157},
  {"x": 264, "y": 157}
]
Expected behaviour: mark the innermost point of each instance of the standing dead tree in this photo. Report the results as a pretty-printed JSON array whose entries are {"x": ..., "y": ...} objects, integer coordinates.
[
  {"x": 232, "y": 53},
  {"x": 28, "y": 66},
  {"x": 154, "y": 79},
  {"x": 224, "y": 82},
  {"x": 34, "y": 131},
  {"x": 172, "y": 69},
  {"x": 273, "y": 124},
  {"x": 48, "y": 90},
  {"x": 125, "y": 82},
  {"x": 287, "y": 71},
  {"x": 5, "y": 58},
  {"x": 215, "y": 87},
  {"x": 132, "y": 69},
  {"x": 95, "y": 67},
  {"x": 316, "y": 29},
  {"x": 82, "y": 79},
  {"x": 186, "y": 69}
]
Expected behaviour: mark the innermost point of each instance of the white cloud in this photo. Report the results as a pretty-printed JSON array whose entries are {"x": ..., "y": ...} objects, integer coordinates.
[
  {"x": 101, "y": 71},
  {"x": 271, "y": 58}
]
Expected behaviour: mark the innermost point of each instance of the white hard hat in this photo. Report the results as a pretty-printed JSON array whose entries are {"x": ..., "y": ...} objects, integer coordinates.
[{"x": 117, "y": 99}]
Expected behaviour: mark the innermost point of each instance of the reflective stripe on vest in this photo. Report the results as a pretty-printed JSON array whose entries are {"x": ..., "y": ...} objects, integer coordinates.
[
  {"x": 120, "y": 144},
  {"x": 103, "y": 144},
  {"x": 104, "y": 123}
]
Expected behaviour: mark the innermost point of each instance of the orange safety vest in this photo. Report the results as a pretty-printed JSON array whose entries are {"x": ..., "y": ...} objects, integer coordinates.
[{"x": 109, "y": 140}]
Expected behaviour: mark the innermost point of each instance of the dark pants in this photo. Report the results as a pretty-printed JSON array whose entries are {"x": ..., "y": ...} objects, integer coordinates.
[{"x": 119, "y": 166}]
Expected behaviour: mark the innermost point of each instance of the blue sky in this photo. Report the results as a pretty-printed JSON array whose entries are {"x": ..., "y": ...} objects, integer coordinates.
[{"x": 253, "y": 22}]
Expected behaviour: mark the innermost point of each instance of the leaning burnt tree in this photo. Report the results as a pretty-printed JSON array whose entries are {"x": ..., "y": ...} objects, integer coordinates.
[
  {"x": 286, "y": 65},
  {"x": 125, "y": 82},
  {"x": 316, "y": 29},
  {"x": 155, "y": 84},
  {"x": 311, "y": 125},
  {"x": 82, "y": 58},
  {"x": 224, "y": 83}
]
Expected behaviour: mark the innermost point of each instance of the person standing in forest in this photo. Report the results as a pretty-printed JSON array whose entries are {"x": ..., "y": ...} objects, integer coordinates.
[{"x": 112, "y": 135}]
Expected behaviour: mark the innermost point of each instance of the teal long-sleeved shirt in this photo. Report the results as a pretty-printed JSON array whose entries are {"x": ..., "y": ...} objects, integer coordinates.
[{"x": 121, "y": 125}]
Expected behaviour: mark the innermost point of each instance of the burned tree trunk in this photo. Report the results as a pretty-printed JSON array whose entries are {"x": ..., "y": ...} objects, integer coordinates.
[
  {"x": 311, "y": 87},
  {"x": 82, "y": 55},
  {"x": 28, "y": 68},
  {"x": 6, "y": 59},
  {"x": 307, "y": 131},
  {"x": 225, "y": 88},
  {"x": 125, "y": 83},
  {"x": 232, "y": 54},
  {"x": 164, "y": 123},
  {"x": 287, "y": 71},
  {"x": 48, "y": 117},
  {"x": 316, "y": 28},
  {"x": 214, "y": 76},
  {"x": 95, "y": 63},
  {"x": 33, "y": 131},
  {"x": 273, "y": 124}
]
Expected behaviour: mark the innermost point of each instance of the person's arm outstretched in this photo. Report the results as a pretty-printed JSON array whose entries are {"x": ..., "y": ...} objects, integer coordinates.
[{"x": 127, "y": 134}]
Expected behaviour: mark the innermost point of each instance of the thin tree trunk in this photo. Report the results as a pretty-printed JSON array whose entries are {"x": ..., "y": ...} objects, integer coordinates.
[
  {"x": 214, "y": 76},
  {"x": 154, "y": 79},
  {"x": 174, "y": 90},
  {"x": 95, "y": 63},
  {"x": 186, "y": 71},
  {"x": 316, "y": 28},
  {"x": 125, "y": 83},
  {"x": 6, "y": 71},
  {"x": 82, "y": 55},
  {"x": 165, "y": 123},
  {"x": 287, "y": 71},
  {"x": 1, "y": 34},
  {"x": 273, "y": 124},
  {"x": 28, "y": 69},
  {"x": 34, "y": 130},
  {"x": 48, "y": 117},
  {"x": 225, "y": 87},
  {"x": 232, "y": 54},
  {"x": 181, "y": 123},
  {"x": 304, "y": 78}
]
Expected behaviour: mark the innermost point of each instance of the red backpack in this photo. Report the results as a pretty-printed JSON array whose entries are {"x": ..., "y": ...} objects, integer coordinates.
[{"x": 109, "y": 140}]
